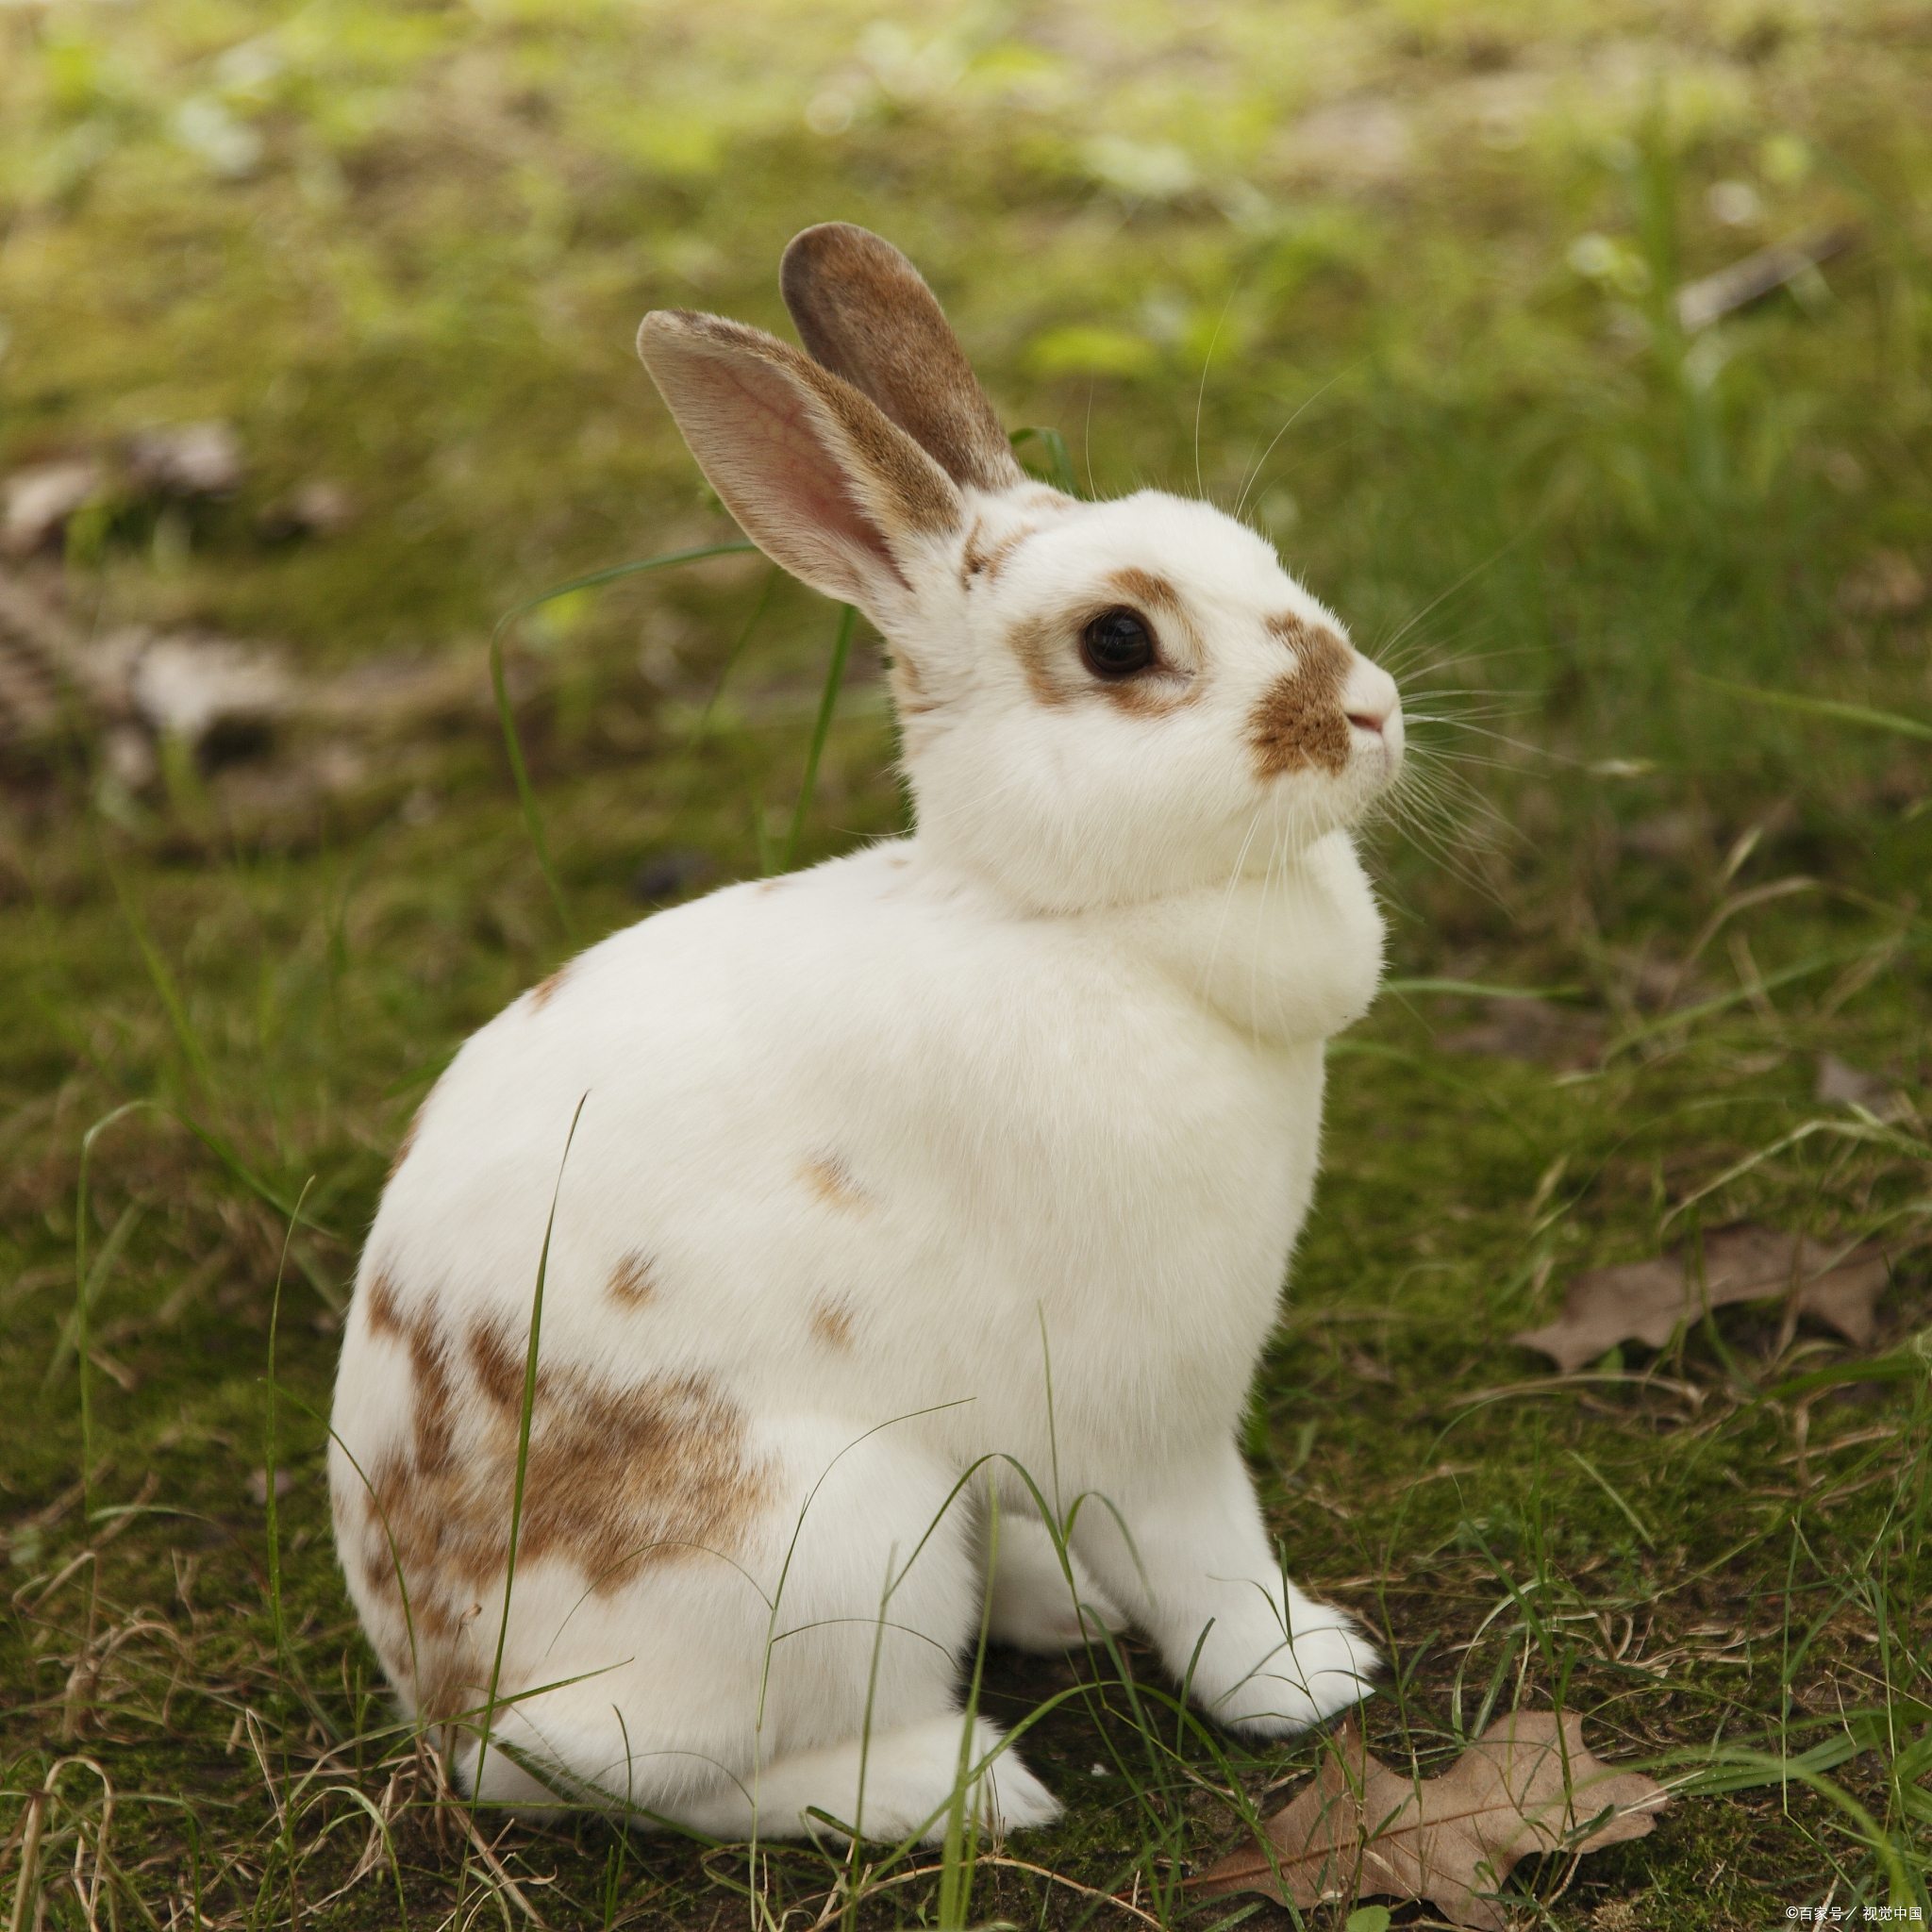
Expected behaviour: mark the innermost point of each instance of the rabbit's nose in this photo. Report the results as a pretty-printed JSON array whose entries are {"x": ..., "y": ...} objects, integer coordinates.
[
  {"x": 1373, "y": 705},
  {"x": 1370, "y": 698}
]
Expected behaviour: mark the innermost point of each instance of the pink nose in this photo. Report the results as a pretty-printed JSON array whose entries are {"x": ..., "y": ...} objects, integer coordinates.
[{"x": 1369, "y": 721}]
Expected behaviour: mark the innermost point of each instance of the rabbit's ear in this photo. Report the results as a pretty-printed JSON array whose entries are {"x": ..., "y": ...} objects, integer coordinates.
[
  {"x": 864, "y": 312},
  {"x": 816, "y": 477}
]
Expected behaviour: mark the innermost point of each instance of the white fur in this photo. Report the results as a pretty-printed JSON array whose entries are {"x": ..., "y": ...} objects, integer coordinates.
[{"x": 1065, "y": 1045}]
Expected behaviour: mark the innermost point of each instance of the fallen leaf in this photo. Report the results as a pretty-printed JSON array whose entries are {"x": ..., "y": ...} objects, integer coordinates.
[
  {"x": 1840, "y": 1081},
  {"x": 1647, "y": 1301},
  {"x": 31, "y": 652},
  {"x": 1702, "y": 302},
  {"x": 1527, "y": 1785},
  {"x": 1670, "y": 835},
  {"x": 315, "y": 509}
]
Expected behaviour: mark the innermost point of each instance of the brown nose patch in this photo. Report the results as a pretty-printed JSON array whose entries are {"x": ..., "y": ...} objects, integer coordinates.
[{"x": 1298, "y": 721}]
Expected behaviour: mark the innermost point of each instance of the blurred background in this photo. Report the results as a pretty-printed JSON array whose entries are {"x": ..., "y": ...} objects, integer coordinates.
[
  {"x": 1575, "y": 353},
  {"x": 315, "y": 359}
]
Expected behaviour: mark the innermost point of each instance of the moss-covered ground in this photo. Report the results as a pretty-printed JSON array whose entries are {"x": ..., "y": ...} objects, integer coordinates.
[{"x": 1400, "y": 276}]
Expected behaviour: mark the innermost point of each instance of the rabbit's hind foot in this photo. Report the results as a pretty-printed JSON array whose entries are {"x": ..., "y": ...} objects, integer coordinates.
[{"x": 893, "y": 1786}]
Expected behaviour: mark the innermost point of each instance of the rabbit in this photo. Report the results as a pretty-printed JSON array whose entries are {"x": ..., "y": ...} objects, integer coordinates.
[{"x": 923, "y": 1214}]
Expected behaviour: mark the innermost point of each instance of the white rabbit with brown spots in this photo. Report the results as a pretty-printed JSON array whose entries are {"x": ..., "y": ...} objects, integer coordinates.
[{"x": 864, "y": 1149}]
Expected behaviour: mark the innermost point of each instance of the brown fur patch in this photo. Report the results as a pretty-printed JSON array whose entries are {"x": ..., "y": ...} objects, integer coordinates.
[
  {"x": 405, "y": 1145},
  {"x": 988, "y": 559},
  {"x": 545, "y": 989},
  {"x": 830, "y": 1179},
  {"x": 971, "y": 557},
  {"x": 1038, "y": 643},
  {"x": 619, "y": 1475},
  {"x": 385, "y": 1311},
  {"x": 831, "y": 1321},
  {"x": 1298, "y": 720},
  {"x": 1147, "y": 589},
  {"x": 632, "y": 1283},
  {"x": 1045, "y": 649}
]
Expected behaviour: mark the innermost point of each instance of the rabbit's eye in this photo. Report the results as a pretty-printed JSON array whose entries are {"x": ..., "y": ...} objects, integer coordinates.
[{"x": 1116, "y": 645}]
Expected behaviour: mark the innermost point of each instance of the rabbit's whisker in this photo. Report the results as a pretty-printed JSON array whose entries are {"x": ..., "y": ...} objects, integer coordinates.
[{"x": 1307, "y": 402}]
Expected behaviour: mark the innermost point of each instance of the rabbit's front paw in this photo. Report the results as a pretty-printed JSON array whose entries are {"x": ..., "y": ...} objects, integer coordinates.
[{"x": 1327, "y": 1666}]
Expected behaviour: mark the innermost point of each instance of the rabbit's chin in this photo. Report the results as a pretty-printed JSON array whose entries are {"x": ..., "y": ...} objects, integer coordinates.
[{"x": 1070, "y": 865}]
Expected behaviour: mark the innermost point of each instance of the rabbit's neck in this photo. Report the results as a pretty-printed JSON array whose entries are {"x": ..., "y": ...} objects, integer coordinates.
[{"x": 1293, "y": 955}]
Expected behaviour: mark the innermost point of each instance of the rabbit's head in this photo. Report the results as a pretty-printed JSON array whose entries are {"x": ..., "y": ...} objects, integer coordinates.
[{"x": 1100, "y": 701}]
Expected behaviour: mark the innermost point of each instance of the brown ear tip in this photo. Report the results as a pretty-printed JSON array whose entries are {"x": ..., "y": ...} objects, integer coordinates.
[
  {"x": 826, "y": 241},
  {"x": 831, "y": 235}
]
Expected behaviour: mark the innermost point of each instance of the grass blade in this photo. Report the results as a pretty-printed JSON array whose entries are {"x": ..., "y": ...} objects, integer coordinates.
[
  {"x": 512, "y": 743},
  {"x": 828, "y": 702},
  {"x": 270, "y": 1446},
  {"x": 1057, "y": 467},
  {"x": 165, "y": 988},
  {"x": 1834, "y": 708},
  {"x": 82, "y": 1343},
  {"x": 516, "y": 1508}
]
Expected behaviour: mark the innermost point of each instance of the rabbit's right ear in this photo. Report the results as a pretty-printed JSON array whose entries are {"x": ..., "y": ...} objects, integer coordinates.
[
  {"x": 865, "y": 312},
  {"x": 815, "y": 475}
]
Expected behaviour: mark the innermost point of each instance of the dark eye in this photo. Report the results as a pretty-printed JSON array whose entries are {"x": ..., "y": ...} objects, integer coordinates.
[{"x": 1116, "y": 645}]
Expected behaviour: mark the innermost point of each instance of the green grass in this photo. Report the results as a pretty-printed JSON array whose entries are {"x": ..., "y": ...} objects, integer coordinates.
[{"x": 1670, "y": 763}]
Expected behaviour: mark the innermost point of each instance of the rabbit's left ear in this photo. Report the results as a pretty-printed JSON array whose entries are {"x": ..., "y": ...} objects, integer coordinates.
[
  {"x": 864, "y": 312},
  {"x": 816, "y": 477}
]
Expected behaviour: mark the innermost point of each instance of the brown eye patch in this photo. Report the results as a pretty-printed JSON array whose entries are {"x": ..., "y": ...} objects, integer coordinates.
[
  {"x": 1298, "y": 721},
  {"x": 1119, "y": 649}
]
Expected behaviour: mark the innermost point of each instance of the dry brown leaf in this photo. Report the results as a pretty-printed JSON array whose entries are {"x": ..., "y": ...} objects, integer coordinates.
[
  {"x": 1527, "y": 1785},
  {"x": 1646, "y": 1301}
]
